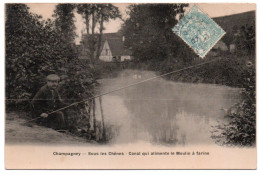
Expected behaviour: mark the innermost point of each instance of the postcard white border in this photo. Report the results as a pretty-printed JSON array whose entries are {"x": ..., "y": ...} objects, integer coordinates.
[{"x": 114, "y": 172}]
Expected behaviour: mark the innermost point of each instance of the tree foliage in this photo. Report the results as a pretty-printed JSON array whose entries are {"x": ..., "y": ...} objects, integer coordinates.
[
  {"x": 241, "y": 127},
  {"x": 79, "y": 79},
  {"x": 32, "y": 51},
  {"x": 36, "y": 48},
  {"x": 64, "y": 24},
  {"x": 245, "y": 39},
  {"x": 148, "y": 31}
]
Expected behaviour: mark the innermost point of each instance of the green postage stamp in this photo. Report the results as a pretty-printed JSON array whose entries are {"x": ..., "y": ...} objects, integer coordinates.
[{"x": 199, "y": 31}]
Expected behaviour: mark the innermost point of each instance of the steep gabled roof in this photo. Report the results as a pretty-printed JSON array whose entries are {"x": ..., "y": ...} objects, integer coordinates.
[{"x": 117, "y": 47}]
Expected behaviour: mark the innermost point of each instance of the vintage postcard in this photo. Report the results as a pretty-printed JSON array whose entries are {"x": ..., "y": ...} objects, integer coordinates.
[{"x": 130, "y": 86}]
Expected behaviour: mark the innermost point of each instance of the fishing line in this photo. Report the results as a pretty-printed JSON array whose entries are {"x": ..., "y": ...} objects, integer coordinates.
[{"x": 124, "y": 87}]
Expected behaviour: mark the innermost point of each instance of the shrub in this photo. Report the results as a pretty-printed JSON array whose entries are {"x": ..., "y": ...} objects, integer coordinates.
[{"x": 241, "y": 127}]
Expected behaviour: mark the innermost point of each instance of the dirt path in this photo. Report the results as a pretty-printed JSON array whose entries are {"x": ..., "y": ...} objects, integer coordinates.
[{"x": 18, "y": 133}]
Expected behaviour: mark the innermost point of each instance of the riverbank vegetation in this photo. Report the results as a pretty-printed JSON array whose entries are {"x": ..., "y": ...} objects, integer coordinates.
[
  {"x": 148, "y": 32},
  {"x": 36, "y": 48}
]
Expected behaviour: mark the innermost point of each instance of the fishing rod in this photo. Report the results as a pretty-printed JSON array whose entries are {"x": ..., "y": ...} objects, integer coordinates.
[{"x": 124, "y": 87}]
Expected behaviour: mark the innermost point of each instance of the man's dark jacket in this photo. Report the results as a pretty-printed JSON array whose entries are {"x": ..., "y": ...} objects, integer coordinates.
[{"x": 45, "y": 101}]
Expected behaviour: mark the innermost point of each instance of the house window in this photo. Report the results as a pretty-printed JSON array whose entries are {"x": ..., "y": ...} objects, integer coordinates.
[{"x": 106, "y": 51}]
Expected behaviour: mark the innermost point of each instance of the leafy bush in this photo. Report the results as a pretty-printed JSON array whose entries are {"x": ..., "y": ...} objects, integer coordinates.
[
  {"x": 30, "y": 53},
  {"x": 241, "y": 127},
  {"x": 36, "y": 48}
]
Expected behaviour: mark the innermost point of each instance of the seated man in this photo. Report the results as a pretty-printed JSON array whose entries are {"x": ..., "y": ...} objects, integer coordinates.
[{"x": 46, "y": 100}]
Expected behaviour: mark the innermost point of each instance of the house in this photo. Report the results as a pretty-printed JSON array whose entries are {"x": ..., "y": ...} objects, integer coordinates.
[
  {"x": 219, "y": 47},
  {"x": 232, "y": 48},
  {"x": 112, "y": 48}
]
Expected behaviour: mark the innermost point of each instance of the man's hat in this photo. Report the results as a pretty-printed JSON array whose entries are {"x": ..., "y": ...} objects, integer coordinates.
[{"x": 53, "y": 77}]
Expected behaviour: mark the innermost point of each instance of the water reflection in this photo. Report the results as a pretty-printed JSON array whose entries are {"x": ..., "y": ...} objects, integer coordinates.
[{"x": 164, "y": 112}]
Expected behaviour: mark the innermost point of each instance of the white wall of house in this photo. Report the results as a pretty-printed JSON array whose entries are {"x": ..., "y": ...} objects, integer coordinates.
[
  {"x": 125, "y": 57},
  {"x": 106, "y": 54},
  {"x": 221, "y": 46},
  {"x": 232, "y": 48}
]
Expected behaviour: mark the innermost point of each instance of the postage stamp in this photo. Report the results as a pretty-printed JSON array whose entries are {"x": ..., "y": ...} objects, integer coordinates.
[{"x": 199, "y": 31}]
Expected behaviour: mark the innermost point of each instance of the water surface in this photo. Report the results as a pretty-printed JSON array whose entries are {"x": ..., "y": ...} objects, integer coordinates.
[{"x": 161, "y": 111}]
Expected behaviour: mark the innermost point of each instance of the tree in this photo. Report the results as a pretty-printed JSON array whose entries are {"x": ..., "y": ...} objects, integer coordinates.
[
  {"x": 79, "y": 81},
  {"x": 64, "y": 24},
  {"x": 149, "y": 31},
  {"x": 245, "y": 40},
  {"x": 28, "y": 54},
  {"x": 95, "y": 16},
  {"x": 36, "y": 48},
  {"x": 240, "y": 130},
  {"x": 64, "y": 20}
]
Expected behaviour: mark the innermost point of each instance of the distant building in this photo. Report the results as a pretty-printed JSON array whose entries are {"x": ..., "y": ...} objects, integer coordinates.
[
  {"x": 232, "y": 48},
  {"x": 112, "y": 48},
  {"x": 219, "y": 47}
]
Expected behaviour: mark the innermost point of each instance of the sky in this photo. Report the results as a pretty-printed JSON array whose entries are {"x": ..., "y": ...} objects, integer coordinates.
[
  {"x": 46, "y": 10},
  {"x": 213, "y": 10}
]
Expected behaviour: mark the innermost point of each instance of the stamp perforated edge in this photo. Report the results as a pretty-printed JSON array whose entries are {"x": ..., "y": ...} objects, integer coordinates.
[{"x": 201, "y": 56}]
